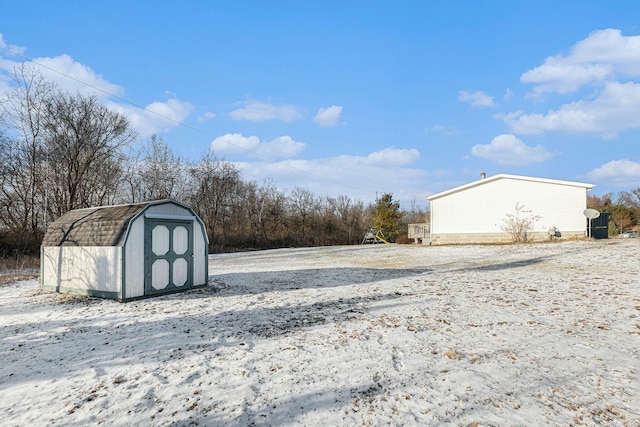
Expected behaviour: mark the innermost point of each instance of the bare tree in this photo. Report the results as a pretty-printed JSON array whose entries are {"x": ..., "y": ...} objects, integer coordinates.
[
  {"x": 153, "y": 172},
  {"x": 351, "y": 215},
  {"x": 59, "y": 152},
  {"x": 631, "y": 200},
  {"x": 622, "y": 219},
  {"x": 254, "y": 206},
  {"x": 160, "y": 170},
  {"x": 273, "y": 224},
  {"x": 213, "y": 182},
  {"x": 23, "y": 145},
  {"x": 84, "y": 149},
  {"x": 303, "y": 204}
]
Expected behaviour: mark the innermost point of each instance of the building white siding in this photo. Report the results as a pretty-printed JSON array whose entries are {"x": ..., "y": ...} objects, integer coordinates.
[{"x": 482, "y": 208}]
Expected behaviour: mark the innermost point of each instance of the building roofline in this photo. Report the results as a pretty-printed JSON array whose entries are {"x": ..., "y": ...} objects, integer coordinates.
[{"x": 483, "y": 181}]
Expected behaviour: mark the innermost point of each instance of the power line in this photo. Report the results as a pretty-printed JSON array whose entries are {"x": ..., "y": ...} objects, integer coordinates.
[{"x": 178, "y": 123}]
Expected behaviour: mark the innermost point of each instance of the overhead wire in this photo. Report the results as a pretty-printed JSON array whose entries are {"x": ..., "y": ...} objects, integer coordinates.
[{"x": 164, "y": 117}]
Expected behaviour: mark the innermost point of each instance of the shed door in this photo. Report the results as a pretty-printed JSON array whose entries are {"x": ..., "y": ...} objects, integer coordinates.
[{"x": 168, "y": 256}]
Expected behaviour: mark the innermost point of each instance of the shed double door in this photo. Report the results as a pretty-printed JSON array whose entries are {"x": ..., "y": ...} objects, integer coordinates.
[{"x": 168, "y": 256}]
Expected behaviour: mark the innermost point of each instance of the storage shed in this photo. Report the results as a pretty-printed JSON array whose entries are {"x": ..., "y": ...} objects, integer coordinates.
[
  {"x": 477, "y": 212},
  {"x": 125, "y": 251}
]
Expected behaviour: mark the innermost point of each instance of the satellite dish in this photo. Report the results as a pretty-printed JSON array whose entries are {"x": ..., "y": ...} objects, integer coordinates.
[{"x": 591, "y": 213}]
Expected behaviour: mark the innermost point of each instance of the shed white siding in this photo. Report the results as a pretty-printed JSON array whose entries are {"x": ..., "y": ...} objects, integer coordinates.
[
  {"x": 477, "y": 212},
  {"x": 82, "y": 269},
  {"x": 168, "y": 209},
  {"x": 200, "y": 263},
  {"x": 134, "y": 260}
]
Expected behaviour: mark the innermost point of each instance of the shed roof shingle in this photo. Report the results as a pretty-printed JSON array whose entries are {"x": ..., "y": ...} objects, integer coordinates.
[{"x": 101, "y": 226}]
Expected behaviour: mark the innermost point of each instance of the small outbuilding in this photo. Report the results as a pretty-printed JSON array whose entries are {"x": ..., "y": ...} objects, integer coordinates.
[
  {"x": 477, "y": 212},
  {"x": 125, "y": 251}
]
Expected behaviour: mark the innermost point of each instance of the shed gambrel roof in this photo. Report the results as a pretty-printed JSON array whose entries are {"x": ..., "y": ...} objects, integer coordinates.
[
  {"x": 494, "y": 178},
  {"x": 99, "y": 226}
]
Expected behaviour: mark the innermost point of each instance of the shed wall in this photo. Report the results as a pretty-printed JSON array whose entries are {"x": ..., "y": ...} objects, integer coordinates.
[
  {"x": 200, "y": 246},
  {"x": 201, "y": 256},
  {"x": 134, "y": 251},
  {"x": 169, "y": 209},
  {"x": 95, "y": 270},
  {"x": 134, "y": 260},
  {"x": 483, "y": 209}
]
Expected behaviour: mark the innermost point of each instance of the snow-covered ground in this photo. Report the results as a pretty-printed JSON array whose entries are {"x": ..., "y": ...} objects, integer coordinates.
[{"x": 540, "y": 334}]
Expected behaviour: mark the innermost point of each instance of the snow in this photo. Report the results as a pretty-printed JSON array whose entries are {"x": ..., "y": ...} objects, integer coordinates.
[{"x": 537, "y": 334}]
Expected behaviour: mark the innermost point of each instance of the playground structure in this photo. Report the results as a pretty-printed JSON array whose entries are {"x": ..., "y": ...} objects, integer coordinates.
[{"x": 372, "y": 236}]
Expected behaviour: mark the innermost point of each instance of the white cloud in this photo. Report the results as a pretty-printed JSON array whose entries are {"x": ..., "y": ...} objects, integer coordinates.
[
  {"x": 603, "y": 55},
  {"x": 328, "y": 117},
  {"x": 443, "y": 130},
  {"x": 561, "y": 77},
  {"x": 256, "y": 111},
  {"x": 622, "y": 173},
  {"x": 5, "y": 81},
  {"x": 234, "y": 143},
  {"x": 508, "y": 94},
  {"x": 600, "y": 61},
  {"x": 281, "y": 147},
  {"x": 11, "y": 48},
  {"x": 617, "y": 108},
  {"x": 507, "y": 149},
  {"x": 173, "y": 109},
  {"x": 476, "y": 99},
  {"x": 157, "y": 117},
  {"x": 68, "y": 74},
  {"x": 392, "y": 157},
  {"x": 237, "y": 144},
  {"x": 359, "y": 177},
  {"x": 72, "y": 76},
  {"x": 206, "y": 117}
]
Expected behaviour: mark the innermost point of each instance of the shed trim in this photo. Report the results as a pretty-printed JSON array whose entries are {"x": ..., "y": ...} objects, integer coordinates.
[
  {"x": 87, "y": 292},
  {"x": 152, "y": 215},
  {"x": 123, "y": 273}
]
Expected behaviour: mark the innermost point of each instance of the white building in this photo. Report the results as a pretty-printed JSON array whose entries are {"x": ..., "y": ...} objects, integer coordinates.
[
  {"x": 125, "y": 251},
  {"x": 478, "y": 212}
]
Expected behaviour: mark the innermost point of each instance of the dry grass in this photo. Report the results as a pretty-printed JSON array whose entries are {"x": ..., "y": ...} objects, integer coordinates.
[
  {"x": 20, "y": 267},
  {"x": 61, "y": 298},
  {"x": 453, "y": 355}
]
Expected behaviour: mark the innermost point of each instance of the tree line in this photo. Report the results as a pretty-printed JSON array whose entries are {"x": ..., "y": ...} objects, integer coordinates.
[
  {"x": 624, "y": 208},
  {"x": 61, "y": 151}
]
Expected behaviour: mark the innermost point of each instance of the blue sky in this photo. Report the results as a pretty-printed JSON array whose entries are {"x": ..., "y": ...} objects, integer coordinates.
[{"x": 358, "y": 98}]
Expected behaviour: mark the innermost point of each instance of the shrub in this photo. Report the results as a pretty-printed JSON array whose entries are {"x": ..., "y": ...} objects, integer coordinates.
[
  {"x": 404, "y": 239},
  {"x": 519, "y": 224}
]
